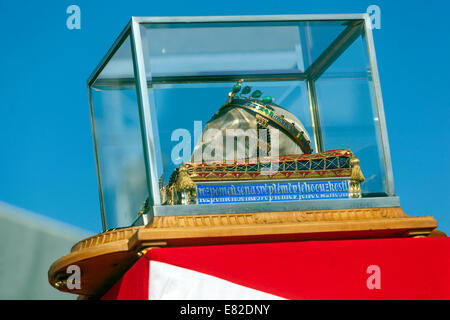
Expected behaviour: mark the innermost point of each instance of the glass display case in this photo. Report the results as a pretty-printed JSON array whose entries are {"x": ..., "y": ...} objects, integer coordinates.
[{"x": 307, "y": 84}]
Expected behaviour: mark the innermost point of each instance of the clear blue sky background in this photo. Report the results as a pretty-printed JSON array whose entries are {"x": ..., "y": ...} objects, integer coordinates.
[{"x": 47, "y": 160}]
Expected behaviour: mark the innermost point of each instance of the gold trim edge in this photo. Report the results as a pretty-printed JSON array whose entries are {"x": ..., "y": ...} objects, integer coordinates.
[{"x": 245, "y": 219}]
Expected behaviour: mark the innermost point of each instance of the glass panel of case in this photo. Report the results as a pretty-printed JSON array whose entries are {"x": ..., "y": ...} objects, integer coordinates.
[
  {"x": 190, "y": 69},
  {"x": 118, "y": 140},
  {"x": 317, "y": 73}
]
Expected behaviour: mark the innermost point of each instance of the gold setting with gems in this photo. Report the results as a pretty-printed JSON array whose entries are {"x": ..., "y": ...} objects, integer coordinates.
[{"x": 182, "y": 184}]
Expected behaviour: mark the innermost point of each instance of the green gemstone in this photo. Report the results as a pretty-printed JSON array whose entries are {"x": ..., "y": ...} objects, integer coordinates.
[
  {"x": 256, "y": 94},
  {"x": 267, "y": 99},
  {"x": 246, "y": 90},
  {"x": 236, "y": 88}
]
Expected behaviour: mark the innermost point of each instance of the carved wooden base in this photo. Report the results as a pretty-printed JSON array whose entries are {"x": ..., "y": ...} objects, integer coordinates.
[{"x": 105, "y": 257}]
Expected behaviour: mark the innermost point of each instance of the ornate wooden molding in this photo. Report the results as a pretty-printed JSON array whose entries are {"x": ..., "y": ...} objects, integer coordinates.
[
  {"x": 105, "y": 237},
  {"x": 276, "y": 217},
  {"x": 103, "y": 258}
]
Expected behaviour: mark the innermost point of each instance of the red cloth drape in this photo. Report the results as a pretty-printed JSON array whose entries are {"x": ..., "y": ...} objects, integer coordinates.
[
  {"x": 133, "y": 285},
  {"x": 407, "y": 268}
]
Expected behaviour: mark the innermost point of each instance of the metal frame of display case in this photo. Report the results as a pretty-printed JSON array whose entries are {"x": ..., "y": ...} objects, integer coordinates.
[{"x": 362, "y": 24}]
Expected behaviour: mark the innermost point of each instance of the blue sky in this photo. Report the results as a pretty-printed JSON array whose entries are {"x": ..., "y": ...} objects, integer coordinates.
[{"x": 47, "y": 160}]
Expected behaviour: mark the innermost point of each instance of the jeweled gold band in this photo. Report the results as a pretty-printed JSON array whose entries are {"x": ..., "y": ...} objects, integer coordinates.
[{"x": 262, "y": 110}]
